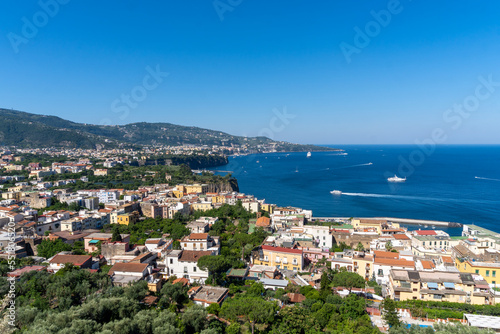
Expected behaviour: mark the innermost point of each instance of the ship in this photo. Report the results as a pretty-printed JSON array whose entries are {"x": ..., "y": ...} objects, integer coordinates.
[
  {"x": 336, "y": 192},
  {"x": 396, "y": 179},
  {"x": 308, "y": 154}
]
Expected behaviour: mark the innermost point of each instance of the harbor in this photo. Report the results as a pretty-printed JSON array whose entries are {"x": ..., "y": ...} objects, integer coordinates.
[{"x": 406, "y": 221}]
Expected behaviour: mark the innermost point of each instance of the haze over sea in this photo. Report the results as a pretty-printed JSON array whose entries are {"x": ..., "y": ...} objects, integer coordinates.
[{"x": 455, "y": 183}]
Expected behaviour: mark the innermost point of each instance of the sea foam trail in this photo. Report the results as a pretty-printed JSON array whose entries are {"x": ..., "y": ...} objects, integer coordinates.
[
  {"x": 417, "y": 198},
  {"x": 486, "y": 178},
  {"x": 358, "y": 165}
]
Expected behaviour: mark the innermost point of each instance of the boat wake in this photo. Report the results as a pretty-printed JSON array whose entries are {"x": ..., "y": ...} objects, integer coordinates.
[
  {"x": 417, "y": 198},
  {"x": 358, "y": 165},
  {"x": 486, "y": 178}
]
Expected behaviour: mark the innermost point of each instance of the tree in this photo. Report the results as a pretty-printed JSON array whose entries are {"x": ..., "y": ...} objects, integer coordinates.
[
  {"x": 254, "y": 309},
  {"x": 295, "y": 320},
  {"x": 213, "y": 308},
  {"x": 173, "y": 294},
  {"x": 116, "y": 235},
  {"x": 388, "y": 245},
  {"x": 325, "y": 282},
  {"x": 390, "y": 315},
  {"x": 348, "y": 280},
  {"x": 195, "y": 319},
  {"x": 216, "y": 265},
  {"x": 49, "y": 248},
  {"x": 360, "y": 247}
]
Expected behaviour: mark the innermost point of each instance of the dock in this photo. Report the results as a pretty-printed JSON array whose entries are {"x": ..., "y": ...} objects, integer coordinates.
[{"x": 396, "y": 220}]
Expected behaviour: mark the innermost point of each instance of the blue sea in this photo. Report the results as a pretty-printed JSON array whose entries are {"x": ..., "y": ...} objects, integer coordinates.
[{"x": 447, "y": 183}]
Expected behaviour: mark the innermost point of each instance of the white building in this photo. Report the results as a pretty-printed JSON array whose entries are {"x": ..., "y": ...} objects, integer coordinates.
[{"x": 184, "y": 263}]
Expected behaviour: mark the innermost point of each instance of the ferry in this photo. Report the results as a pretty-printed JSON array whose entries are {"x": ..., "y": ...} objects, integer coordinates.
[
  {"x": 308, "y": 154},
  {"x": 396, "y": 179},
  {"x": 336, "y": 192}
]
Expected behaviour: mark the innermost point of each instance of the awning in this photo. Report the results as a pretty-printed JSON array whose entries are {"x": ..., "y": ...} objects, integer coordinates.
[
  {"x": 431, "y": 285},
  {"x": 449, "y": 285},
  {"x": 93, "y": 241}
]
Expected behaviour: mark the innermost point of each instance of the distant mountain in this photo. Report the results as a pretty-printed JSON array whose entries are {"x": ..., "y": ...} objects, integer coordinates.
[{"x": 23, "y": 129}]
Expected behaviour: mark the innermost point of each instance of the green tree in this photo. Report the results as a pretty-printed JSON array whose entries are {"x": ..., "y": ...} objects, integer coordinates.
[
  {"x": 49, "y": 248},
  {"x": 390, "y": 314},
  {"x": 195, "y": 319},
  {"x": 255, "y": 310},
  {"x": 360, "y": 247},
  {"x": 116, "y": 235},
  {"x": 348, "y": 280}
]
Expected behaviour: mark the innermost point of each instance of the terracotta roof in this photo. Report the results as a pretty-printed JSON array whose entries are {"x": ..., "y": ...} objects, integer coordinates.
[
  {"x": 196, "y": 236},
  {"x": 150, "y": 300},
  {"x": 385, "y": 255},
  {"x": 182, "y": 280},
  {"x": 426, "y": 232},
  {"x": 128, "y": 267},
  {"x": 401, "y": 236},
  {"x": 296, "y": 297},
  {"x": 395, "y": 262},
  {"x": 427, "y": 264},
  {"x": 193, "y": 256},
  {"x": 19, "y": 272},
  {"x": 263, "y": 222},
  {"x": 447, "y": 259},
  {"x": 281, "y": 249},
  {"x": 77, "y": 260}
]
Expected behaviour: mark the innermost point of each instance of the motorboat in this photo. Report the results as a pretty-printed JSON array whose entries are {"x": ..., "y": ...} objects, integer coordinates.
[
  {"x": 396, "y": 179},
  {"x": 336, "y": 192},
  {"x": 308, "y": 154}
]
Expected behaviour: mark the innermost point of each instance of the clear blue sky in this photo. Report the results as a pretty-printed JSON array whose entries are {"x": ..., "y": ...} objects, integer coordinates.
[{"x": 231, "y": 74}]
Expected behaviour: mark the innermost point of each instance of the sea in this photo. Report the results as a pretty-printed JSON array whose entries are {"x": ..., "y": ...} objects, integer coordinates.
[{"x": 445, "y": 183}]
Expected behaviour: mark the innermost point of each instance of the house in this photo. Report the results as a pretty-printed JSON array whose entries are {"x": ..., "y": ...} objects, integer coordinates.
[
  {"x": 200, "y": 242},
  {"x": 259, "y": 271},
  {"x": 205, "y": 295},
  {"x": 59, "y": 260},
  {"x": 273, "y": 284},
  {"x": 123, "y": 274},
  {"x": 198, "y": 227},
  {"x": 184, "y": 263},
  {"x": 438, "y": 286},
  {"x": 18, "y": 272},
  {"x": 91, "y": 240},
  {"x": 281, "y": 257}
]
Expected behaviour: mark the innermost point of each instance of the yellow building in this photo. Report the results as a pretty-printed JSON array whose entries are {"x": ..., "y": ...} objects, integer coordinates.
[
  {"x": 196, "y": 188},
  {"x": 178, "y": 193},
  {"x": 126, "y": 218},
  {"x": 489, "y": 270},
  {"x": 218, "y": 199},
  {"x": 282, "y": 258},
  {"x": 438, "y": 286},
  {"x": 12, "y": 195},
  {"x": 268, "y": 207},
  {"x": 203, "y": 206},
  {"x": 376, "y": 225}
]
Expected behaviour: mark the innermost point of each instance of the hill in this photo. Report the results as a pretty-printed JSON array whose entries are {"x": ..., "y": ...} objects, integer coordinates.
[{"x": 23, "y": 129}]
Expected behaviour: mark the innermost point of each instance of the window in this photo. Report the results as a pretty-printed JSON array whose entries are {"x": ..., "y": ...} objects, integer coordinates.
[
  {"x": 171, "y": 261},
  {"x": 477, "y": 271},
  {"x": 185, "y": 269},
  {"x": 194, "y": 269},
  {"x": 380, "y": 272},
  {"x": 494, "y": 273},
  {"x": 324, "y": 239},
  {"x": 487, "y": 273},
  {"x": 266, "y": 258}
]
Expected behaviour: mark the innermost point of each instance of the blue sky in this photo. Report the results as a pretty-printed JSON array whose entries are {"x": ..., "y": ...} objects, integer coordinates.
[{"x": 234, "y": 74}]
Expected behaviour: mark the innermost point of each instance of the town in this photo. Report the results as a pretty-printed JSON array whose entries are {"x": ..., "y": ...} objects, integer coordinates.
[{"x": 173, "y": 236}]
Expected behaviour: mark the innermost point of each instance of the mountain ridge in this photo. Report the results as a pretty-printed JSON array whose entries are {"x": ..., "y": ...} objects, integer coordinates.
[{"x": 23, "y": 129}]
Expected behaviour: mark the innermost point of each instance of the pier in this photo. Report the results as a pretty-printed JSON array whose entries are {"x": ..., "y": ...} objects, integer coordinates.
[{"x": 395, "y": 220}]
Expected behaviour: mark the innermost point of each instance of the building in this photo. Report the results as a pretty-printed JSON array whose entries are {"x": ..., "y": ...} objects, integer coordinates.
[
  {"x": 281, "y": 257},
  {"x": 184, "y": 263},
  {"x": 321, "y": 235},
  {"x": 438, "y": 286},
  {"x": 91, "y": 203},
  {"x": 205, "y": 295},
  {"x": 199, "y": 242},
  {"x": 59, "y": 260},
  {"x": 123, "y": 274},
  {"x": 91, "y": 241},
  {"x": 490, "y": 271}
]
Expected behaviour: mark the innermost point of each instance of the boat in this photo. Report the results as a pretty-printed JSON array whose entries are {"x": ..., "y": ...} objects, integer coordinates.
[
  {"x": 396, "y": 179},
  {"x": 336, "y": 192},
  {"x": 308, "y": 154},
  {"x": 257, "y": 161}
]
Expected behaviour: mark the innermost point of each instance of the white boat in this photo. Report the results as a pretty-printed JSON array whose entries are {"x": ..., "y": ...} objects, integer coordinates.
[
  {"x": 308, "y": 154},
  {"x": 396, "y": 179},
  {"x": 336, "y": 192}
]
